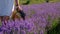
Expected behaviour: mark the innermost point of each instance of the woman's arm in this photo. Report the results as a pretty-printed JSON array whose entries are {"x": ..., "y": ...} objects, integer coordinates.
[
  {"x": 17, "y": 5},
  {"x": 16, "y": 2},
  {"x": 19, "y": 9}
]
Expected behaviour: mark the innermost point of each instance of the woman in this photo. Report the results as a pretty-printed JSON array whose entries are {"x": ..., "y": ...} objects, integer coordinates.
[{"x": 6, "y": 8}]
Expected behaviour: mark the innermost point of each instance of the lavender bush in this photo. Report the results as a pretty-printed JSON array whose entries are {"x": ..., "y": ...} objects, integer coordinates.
[{"x": 39, "y": 18}]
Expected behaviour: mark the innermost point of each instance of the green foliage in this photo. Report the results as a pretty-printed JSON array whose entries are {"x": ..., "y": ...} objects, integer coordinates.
[
  {"x": 55, "y": 27},
  {"x": 37, "y": 1},
  {"x": 55, "y": 22}
]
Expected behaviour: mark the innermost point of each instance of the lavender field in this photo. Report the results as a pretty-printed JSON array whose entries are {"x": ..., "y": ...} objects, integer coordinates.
[{"x": 39, "y": 19}]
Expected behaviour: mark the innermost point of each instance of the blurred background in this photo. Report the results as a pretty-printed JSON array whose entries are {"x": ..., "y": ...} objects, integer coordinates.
[{"x": 38, "y": 1}]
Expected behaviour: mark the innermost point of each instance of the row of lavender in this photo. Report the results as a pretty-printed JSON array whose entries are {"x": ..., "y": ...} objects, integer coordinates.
[
  {"x": 16, "y": 26},
  {"x": 38, "y": 17},
  {"x": 42, "y": 9},
  {"x": 43, "y": 14},
  {"x": 20, "y": 27}
]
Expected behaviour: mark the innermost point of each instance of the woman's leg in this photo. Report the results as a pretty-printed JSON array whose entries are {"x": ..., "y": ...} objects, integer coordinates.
[
  {"x": 6, "y": 18},
  {"x": 1, "y": 18}
]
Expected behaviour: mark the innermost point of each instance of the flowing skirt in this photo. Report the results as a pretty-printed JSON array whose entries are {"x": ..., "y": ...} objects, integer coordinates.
[{"x": 6, "y": 7}]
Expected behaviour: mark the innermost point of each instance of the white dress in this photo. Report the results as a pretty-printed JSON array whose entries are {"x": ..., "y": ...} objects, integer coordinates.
[{"x": 6, "y": 7}]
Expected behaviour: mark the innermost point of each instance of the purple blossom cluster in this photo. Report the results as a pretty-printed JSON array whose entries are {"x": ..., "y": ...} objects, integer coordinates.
[{"x": 17, "y": 25}]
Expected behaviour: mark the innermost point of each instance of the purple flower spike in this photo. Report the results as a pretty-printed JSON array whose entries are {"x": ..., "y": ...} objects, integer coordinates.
[
  {"x": 1, "y": 29},
  {"x": 22, "y": 32}
]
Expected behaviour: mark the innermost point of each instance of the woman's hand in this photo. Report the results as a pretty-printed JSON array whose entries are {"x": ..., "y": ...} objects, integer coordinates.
[
  {"x": 18, "y": 7},
  {"x": 20, "y": 11}
]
